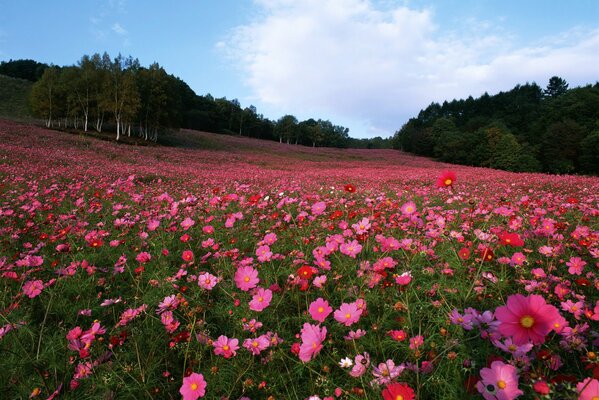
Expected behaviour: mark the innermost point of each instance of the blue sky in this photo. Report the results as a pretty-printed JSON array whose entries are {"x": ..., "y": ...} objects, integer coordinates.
[{"x": 365, "y": 64}]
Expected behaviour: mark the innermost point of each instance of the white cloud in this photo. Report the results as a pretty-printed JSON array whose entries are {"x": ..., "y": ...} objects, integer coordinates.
[
  {"x": 119, "y": 30},
  {"x": 353, "y": 60}
]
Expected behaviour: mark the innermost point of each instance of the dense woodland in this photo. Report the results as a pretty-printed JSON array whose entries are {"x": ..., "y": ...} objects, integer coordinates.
[
  {"x": 553, "y": 130},
  {"x": 121, "y": 96}
]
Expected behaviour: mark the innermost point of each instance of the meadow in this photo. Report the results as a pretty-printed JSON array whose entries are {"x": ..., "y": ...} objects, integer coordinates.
[{"x": 234, "y": 268}]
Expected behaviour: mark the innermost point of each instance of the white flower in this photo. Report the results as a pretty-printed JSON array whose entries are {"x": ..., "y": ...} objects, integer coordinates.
[{"x": 346, "y": 363}]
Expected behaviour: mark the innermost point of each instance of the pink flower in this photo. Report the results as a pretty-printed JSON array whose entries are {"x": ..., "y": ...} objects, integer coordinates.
[
  {"x": 404, "y": 279},
  {"x": 207, "y": 281},
  {"x": 518, "y": 259},
  {"x": 246, "y": 278},
  {"x": 194, "y": 386},
  {"x": 225, "y": 347},
  {"x": 143, "y": 257},
  {"x": 169, "y": 322},
  {"x": 153, "y": 224},
  {"x": 261, "y": 300},
  {"x": 576, "y": 265},
  {"x": 318, "y": 208},
  {"x": 187, "y": 223},
  {"x": 351, "y": 249},
  {"x": 312, "y": 338},
  {"x": 347, "y": 314},
  {"x": 526, "y": 318},
  {"x": 500, "y": 382},
  {"x": 408, "y": 208},
  {"x": 588, "y": 389},
  {"x": 263, "y": 253},
  {"x": 361, "y": 364},
  {"x": 361, "y": 227},
  {"x": 256, "y": 345},
  {"x": 319, "y": 309},
  {"x": 416, "y": 342},
  {"x": 33, "y": 288},
  {"x": 386, "y": 372}
]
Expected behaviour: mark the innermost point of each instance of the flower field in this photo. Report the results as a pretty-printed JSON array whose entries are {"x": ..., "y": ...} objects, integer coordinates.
[{"x": 236, "y": 268}]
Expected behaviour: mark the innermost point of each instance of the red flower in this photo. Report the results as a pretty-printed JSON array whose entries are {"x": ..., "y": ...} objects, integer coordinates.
[
  {"x": 464, "y": 253},
  {"x": 398, "y": 391},
  {"x": 350, "y": 188},
  {"x": 510, "y": 239},
  {"x": 487, "y": 254},
  {"x": 447, "y": 178},
  {"x": 305, "y": 272}
]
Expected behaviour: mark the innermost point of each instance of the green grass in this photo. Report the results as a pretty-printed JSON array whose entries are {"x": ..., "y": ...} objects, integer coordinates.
[{"x": 14, "y": 98}]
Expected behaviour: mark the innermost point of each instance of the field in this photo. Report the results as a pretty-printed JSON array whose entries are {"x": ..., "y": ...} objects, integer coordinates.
[{"x": 235, "y": 268}]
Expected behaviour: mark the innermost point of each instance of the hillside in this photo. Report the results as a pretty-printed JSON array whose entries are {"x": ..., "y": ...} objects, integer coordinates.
[{"x": 14, "y": 95}]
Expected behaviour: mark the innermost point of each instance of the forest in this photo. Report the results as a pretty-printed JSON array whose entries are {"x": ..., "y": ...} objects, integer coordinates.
[
  {"x": 528, "y": 128},
  {"x": 121, "y": 96}
]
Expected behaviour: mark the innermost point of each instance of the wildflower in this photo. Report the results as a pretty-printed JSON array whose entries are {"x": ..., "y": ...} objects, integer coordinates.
[
  {"x": 576, "y": 265},
  {"x": 355, "y": 335},
  {"x": 588, "y": 389},
  {"x": 398, "y": 391},
  {"x": 408, "y": 208},
  {"x": 263, "y": 253},
  {"x": 169, "y": 322},
  {"x": 318, "y": 208},
  {"x": 404, "y": 279},
  {"x": 397, "y": 335},
  {"x": 362, "y": 227},
  {"x": 312, "y": 338},
  {"x": 187, "y": 255},
  {"x": 261, "y": 300},
  {"x": 385, "y": 372},
  {"x": 346, "y": 362},
  {"x": 255, "y": 346},
  {"x": 207, "y": 281},
  {"x": 349, "y": 188},
  {"x": 458, "y": 319},
  {"x": 361, "y": 364},
  {"x": 305, "y": 272},
  {"x": 541, "y": 387},
  {"x": 194, "y": 386},
  {"x": 447, "y": 178},
  {"x": 319, "y": 309},
  {"x": 351, "y": 249},
  {"x": 526, "y": 318},
  {"x": 500, "y": 382},
  {"x": 416, "y": 342},
  {"x": 33, "y": 288},
  {"x": 347, "y": 314},
  {"x": 225, "y": 347},
  {"x": 246, "y": 278}
]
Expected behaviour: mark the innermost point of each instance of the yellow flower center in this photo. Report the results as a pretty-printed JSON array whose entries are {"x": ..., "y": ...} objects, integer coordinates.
[
  {"x": 512, "y": 347},
  {"x": 207, "y": 281},
  {"x": 399, "y": 397},
  {"x": 255, "y": 343},
  {"x": 348, "y": 316},
  {"x": 313, "y": 345},
  {"x": 501, "y": 384},
  {"x": 226, "y": 348},
  {"x": 246, "y": 279},
  {"x": 194, "y": 386},
  {"x": 320, "y": 309},
  {"x": 574, "y": 308},
  {"x": 447, "y": 182},
  {"x": 260, "y": 299},
  {"x": 527, "y": 321}
]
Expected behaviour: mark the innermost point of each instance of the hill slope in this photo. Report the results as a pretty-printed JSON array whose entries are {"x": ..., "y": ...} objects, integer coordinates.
[{"x": 14, "y": 95}]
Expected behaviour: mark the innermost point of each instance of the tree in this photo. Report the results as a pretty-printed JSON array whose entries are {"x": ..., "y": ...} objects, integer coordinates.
[
  {"x": 121, "y": 94},
  {"x": 286, "y": 128},
  {"x": 556, "y": 87},
  {"x": 23, "y": 69},
  {"x": 589, "y": 153},
  {"x": 43, "y": 95},
  {"x": 561, "y": 144}
]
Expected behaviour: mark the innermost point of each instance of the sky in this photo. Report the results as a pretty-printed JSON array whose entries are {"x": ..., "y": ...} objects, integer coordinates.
[{"x": 368, "y": 65}]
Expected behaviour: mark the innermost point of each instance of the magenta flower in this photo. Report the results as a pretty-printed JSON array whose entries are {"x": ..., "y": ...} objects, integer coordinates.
[
  {"x": 408, "y": 208},
  {"x": 319, "y": 309},
  {"x": 261, "y": 300},
  {"x": 246, "y": 278},
  {"x": 318, "y": 208},
  {"x": 361, "y": 364},
  {"x": 362, "y": 227},
  {"x": 588, "y": 389},
  {"x": 416, "y": 342},
  {"x": 351, "y": 249},
  {"x": 187, "y": 223},
  {"x": 500, "y": 382},
  {"x": 386, "y": 372},
  {"x": 347, "y": 314},
  {"x": 225, "y": 347},
  {"x": 312, "y": 338},
  {"x": 263, "y": 253},
  {"x": 143, "y": 257},
  {"x": 194, "y": 386},
  {"x": 526, "y": 318},
  {"x": 33, "y": 288}
]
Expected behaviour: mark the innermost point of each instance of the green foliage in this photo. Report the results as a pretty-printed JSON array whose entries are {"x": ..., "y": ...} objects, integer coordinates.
[
  {"x": 14, "y": 97},
  {"x": 23, "y": 69},
  {"x": 524, "y": 129}
]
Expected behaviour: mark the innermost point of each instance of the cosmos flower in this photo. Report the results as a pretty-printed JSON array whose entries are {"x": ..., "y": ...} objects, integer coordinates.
[
  {"x": 500, "y": 382},
  {"x": 194, "y": 386}
]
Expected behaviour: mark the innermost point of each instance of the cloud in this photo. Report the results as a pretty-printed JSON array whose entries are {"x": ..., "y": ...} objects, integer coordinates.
[
  {"x": 119, "y": 30},
  {"x": 377, "y": 66}
]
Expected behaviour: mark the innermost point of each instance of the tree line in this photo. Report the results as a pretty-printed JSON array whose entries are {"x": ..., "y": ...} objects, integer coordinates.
[
  {"x": 528, "y": 128},
  {"x": 120, "y": 95}
]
